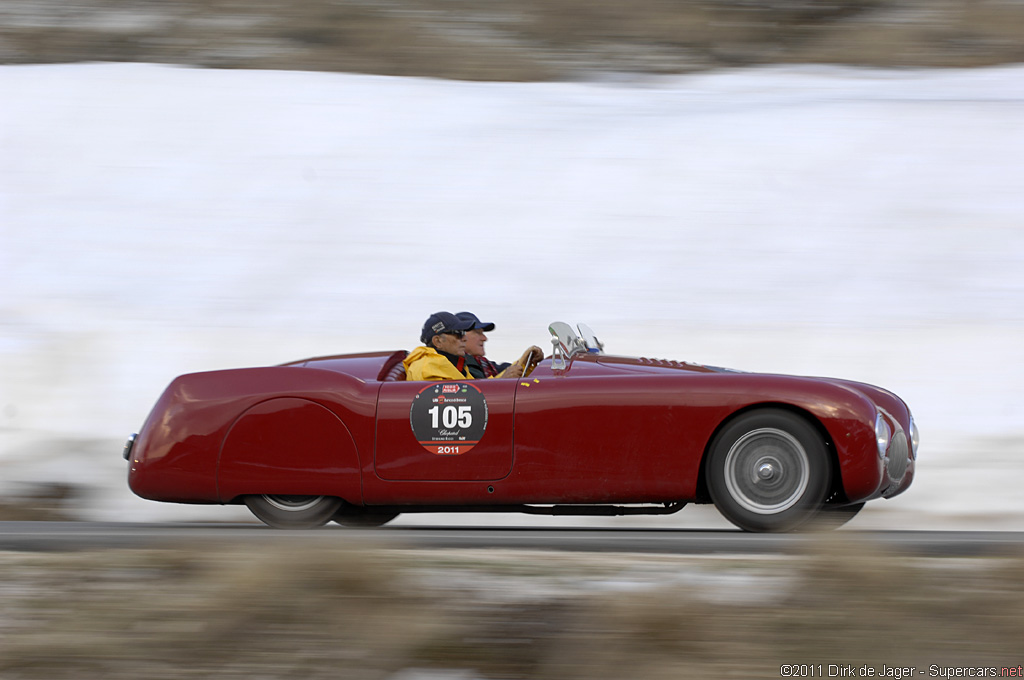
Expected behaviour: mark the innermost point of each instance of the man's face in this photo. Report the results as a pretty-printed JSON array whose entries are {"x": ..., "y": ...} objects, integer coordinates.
[
  {"x": 452, "y": 344},
  {"x": 475, "y": 340}
]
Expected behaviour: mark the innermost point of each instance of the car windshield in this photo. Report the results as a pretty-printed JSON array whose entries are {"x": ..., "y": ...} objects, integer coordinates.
[
  {"x": 566, "y": 340},
  {"x": 593, "y": 345}
]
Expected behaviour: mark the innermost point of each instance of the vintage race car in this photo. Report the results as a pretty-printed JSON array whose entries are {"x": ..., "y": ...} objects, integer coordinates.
[{"x": 347, "y": 438}]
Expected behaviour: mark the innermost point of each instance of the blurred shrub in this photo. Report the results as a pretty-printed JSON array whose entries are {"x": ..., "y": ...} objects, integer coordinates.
[
  {"x": 513, "y": 40},
  {"x": 39, "y": 503}
]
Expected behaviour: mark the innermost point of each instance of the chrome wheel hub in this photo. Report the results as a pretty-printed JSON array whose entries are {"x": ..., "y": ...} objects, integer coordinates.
[{"x": 767, "y": 471}]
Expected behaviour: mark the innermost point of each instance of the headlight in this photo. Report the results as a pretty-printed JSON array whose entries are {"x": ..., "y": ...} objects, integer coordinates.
[
  {"x": 915, "y": 438},
  {"x": 882, "y": 434}
]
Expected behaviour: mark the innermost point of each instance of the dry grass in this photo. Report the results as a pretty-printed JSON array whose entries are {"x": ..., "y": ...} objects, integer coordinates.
[
  {"x": 295, "y": 610},
  {"x": 514, "y": 40}
]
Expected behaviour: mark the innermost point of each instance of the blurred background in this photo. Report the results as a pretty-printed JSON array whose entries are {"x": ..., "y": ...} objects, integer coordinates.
[
  {"x": 519, "y": 40},
  {"x": 800, "y": 187},
  {"x": 817, "y": 188}
]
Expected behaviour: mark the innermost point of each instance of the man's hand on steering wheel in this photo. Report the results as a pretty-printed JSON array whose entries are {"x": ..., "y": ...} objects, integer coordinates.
[
  {"x": 531, "y": 357},
  {"x": 524, "y": 364}
]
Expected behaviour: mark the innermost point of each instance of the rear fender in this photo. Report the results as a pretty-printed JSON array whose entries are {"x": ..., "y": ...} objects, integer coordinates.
[{"x": 288, "y": 446}]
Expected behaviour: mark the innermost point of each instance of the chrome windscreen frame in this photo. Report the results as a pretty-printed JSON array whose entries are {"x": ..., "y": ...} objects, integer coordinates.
[{"x": 566, "y": 343}]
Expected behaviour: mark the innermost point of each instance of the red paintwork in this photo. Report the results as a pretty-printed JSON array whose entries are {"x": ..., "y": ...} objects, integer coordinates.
[{"x": 604, "y": 430}]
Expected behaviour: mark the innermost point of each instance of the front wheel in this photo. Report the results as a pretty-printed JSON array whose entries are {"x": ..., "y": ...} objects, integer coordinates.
[
  {"x": 768, "y": 470},
  {"x": 293, "y": 512}
]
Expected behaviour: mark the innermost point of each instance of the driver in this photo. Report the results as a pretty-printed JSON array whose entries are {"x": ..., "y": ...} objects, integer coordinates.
[{"x": 479, "y": 365}]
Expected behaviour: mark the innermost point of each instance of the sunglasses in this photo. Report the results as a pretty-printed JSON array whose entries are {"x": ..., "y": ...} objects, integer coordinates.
[{"x": 458, "y": 334}]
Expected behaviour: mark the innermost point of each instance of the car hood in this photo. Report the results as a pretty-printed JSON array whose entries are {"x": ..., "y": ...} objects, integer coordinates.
[
  {"x": 882, "y": 398},
  {"x": 647, "y": 365}
]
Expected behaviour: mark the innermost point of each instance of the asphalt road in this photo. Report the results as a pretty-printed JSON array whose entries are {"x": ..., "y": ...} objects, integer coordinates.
[{"x": 58, "y": 536}]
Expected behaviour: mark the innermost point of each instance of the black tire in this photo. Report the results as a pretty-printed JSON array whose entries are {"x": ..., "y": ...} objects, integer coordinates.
[
  {"x": 365, "y": 518},
  {"x": 768, "y": 470},
  {"x": 293, "y": 512}
]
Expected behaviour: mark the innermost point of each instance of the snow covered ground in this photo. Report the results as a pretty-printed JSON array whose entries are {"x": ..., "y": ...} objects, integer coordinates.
[{"x": 858, "y": 223}]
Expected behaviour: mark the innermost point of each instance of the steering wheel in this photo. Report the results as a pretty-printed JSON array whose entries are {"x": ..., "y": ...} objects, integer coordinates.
[{"x": 528, "y": 361}]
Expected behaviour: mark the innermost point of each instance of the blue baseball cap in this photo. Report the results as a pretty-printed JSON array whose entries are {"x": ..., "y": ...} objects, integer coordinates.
[
  {"x": 477, "y": 323},
  {"x": 442, "y": 322}
]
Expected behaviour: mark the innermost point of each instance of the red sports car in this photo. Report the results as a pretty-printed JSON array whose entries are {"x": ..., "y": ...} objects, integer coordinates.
[{"x": 347, "y": 438}]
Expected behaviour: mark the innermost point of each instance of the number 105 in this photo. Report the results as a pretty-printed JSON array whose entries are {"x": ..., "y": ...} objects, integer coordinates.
[{"x": 451, "y": 416}]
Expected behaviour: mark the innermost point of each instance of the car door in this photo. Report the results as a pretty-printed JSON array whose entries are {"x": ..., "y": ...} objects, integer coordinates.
[
  {"x": 590, "y": 434},
  {"x": 444, "y": 431}
]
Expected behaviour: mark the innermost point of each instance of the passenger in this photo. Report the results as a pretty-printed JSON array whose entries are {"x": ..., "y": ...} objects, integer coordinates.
[
  {"x": 478, "y": 364},
  {"x": 443, "y": 354}
]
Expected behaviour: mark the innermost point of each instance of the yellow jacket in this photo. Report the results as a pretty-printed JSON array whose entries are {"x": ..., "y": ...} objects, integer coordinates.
[{"x": 424, "y": 363}]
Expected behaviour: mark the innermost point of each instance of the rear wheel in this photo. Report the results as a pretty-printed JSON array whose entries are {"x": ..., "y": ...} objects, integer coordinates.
[
  {"x": 768, "y": 471},
  {"x": 293, "y": 512}
]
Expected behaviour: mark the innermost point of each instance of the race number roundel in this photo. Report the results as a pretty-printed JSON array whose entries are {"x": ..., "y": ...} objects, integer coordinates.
[{"x": 449, "y": 418}]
